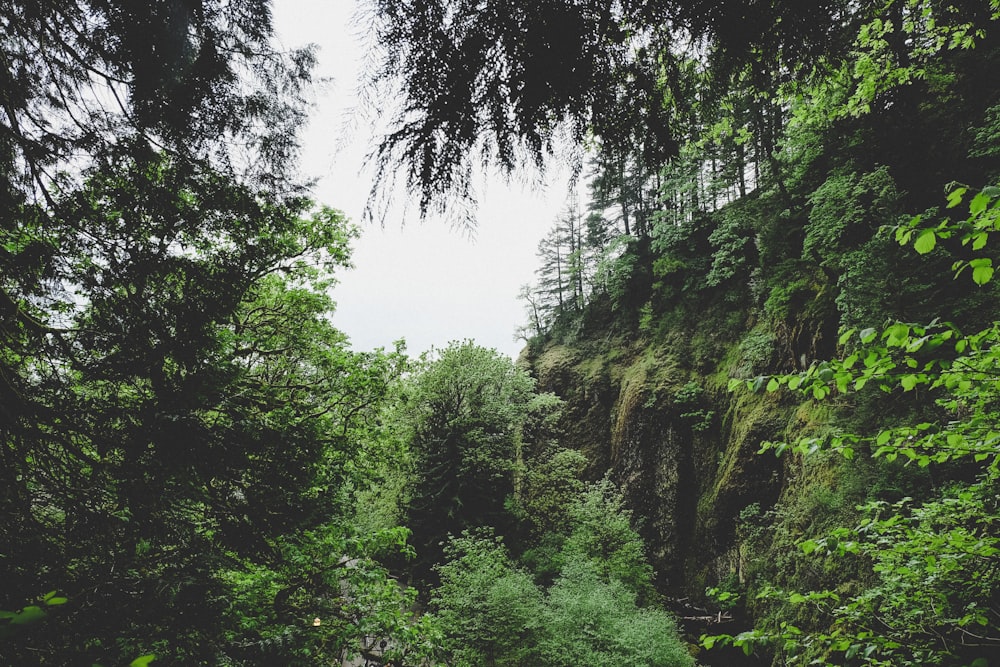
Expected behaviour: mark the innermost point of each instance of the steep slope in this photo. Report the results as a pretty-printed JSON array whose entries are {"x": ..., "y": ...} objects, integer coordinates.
[{"x": 681, "y": 446}]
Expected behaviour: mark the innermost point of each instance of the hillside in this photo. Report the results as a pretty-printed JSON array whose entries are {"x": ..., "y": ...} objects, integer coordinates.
[{"x": 762, "y": 284}]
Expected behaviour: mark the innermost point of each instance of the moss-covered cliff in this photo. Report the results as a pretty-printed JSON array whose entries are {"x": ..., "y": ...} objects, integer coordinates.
[
  {"x": 732, "y": 273},
  {"x": 682, "y": 447},
  {"x": 646, "y": 383},
  {"x": 714, "y": 511}
]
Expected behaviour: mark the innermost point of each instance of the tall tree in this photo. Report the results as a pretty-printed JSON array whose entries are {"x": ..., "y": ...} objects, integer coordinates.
[
  {"x": 191, "y": 412},
  {"x": 624, "y": 189},
  {"x": 565, "y": 271},
  {"x": 466, "y": 409}
]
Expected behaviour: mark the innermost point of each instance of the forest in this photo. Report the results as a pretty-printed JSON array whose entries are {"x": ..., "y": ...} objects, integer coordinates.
[{"x": 756, "y": 419}]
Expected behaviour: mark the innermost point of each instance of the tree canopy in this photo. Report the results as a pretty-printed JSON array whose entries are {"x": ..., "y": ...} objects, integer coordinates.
[
  {"x": 464, "y": 414},
  {"x": 497, "y": 82}
]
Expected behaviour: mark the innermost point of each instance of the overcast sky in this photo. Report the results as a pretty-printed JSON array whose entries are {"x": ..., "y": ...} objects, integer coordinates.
[{"x": 422, "y": 281}]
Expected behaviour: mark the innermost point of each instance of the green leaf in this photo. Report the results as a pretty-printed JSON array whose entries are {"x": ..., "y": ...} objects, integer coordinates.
[
  {"x": 978, "y": 204},
  {"x": 982, "y": 270},
  {"x": 925, "y": 241},
  {"x": 773, "y": 384},
  {"x": 142, "y": 661},
  {"x": 809, "y": 546},
  {"x": 28, "y": 615},
  {"x": 897, "y": 334},
  {"x": 955, "y": 196},
  {"x": 868, "y": 335},
  {"x": 982, "y": 275}
]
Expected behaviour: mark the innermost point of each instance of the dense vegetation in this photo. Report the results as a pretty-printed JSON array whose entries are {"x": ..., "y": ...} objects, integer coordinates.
[
  {"x": 826, "y": 232},
  {"x": 785, "y": 249},
  {"x": 181, "y": 425}
]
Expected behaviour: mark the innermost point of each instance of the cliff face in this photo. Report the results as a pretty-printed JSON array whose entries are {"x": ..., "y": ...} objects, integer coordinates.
[{"x": 683, "y": 449}]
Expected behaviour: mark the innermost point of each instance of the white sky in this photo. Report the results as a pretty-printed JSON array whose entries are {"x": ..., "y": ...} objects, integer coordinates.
[{"x": 423, "y": 282}]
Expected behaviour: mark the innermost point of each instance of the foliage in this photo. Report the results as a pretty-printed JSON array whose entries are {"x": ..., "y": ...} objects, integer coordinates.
[
  {"x": 623, "y": 192},
  {"x": 594, "y": 621},
  {"x": 489, "y": 608},
  {"x": 191, "y": 455},
  {"x": 602, "y": 533},
  {"x": 690, "y": 398},
  {"x": 756, "y": 353},
  {"x": 591, "y": 614},
  {"x": 683, "y": 251},
  {"x": 29, "y": 614},
  {"x": 845, "y": 210},
  {"x": 616, "y": 269},
  {"x": 548, "y": 484},
  {"x": 464, "y": 412},
  {"x": 733, "y": 252},
  {"x": 181, "y": 400},
  {"x": 832, "y": 153},
  {"x": 323, "y": 598},
  {"x": 987, "y": 137},
  {"x": 795, "y": 294},
  {"x": 935, "y": 583},
  {"x": 565, "y": 275},
  {"x": 496, "y": 82},
  {"x": 174, "y": 400},
  {"x": 891, "y": 51},
  {"x": 88, "y": 80}
]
